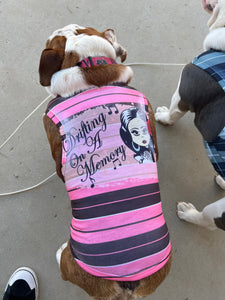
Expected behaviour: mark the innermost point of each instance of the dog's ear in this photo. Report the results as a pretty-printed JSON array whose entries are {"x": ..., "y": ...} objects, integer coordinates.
[
  {"x": 70, "y": 60},
  {"x": 50, "y": 62},
  {"x": 111, "y": 37}
]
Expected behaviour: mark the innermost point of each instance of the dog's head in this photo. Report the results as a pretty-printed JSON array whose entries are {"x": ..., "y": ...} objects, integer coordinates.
[
  {"x": 216, "y": 8},
  {"x": 68, "y": 46}
]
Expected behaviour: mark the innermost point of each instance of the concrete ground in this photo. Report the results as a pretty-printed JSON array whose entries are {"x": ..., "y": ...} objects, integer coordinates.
[{"x": 33, "y": 224}]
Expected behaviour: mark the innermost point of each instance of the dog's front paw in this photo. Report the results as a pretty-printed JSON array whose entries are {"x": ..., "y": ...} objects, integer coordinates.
[
  {"x": 162, "y": 115},
  {"x": 187, "y": 212}
]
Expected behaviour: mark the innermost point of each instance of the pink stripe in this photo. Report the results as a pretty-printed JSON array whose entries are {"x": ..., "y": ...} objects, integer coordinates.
[
  {"x": 118, "y": 233},
  {"x": 96, "y": 92},
  {"x": 118, "y": 201},
  {"x": 52, "y": 116},
  {"x": 110, "y": 187},
  {"x": 101, "y": 99},
  {"x": 118, "y": 220},
  {"x": 132, "y": 267},
  {"x": 107, "y": 179}
]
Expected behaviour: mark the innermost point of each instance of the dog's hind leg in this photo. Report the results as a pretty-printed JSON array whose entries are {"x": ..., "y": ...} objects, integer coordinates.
[{"x": 168, "y": 116}]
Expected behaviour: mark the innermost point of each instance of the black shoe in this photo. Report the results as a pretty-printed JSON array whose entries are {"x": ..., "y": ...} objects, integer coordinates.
[{"x": 22, "y": 285}]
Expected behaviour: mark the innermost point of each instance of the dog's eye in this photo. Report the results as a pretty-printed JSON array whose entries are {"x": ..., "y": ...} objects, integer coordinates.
[{"x": 209, "y": 7}]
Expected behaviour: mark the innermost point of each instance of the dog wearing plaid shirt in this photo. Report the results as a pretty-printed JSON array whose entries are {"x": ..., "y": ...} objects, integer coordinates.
[{"x": 201, "y": 89}]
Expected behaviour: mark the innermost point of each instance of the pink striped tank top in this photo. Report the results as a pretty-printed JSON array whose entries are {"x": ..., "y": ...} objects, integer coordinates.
[{"x": 118, "y": 231}]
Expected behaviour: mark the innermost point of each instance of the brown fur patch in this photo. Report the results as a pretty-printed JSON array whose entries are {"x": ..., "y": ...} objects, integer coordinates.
[
  {"x": 70, "y": 59},
  {"x": 102, "y": 289},
  {"x": 55, "y": 142},
  {"x": 149, "y": 284},
  {"x": 58, "y": 42},
  {"x": 50, "y": 63},
  {"x": 90, "y": 31},
  {"x": 95, "y": 287},
  {"x": 103, "y": 74}
]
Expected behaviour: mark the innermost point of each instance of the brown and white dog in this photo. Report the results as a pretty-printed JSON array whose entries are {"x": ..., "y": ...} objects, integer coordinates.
[
  {"x": 61, "y": 73},
  {"x": 198, "y": 92}
]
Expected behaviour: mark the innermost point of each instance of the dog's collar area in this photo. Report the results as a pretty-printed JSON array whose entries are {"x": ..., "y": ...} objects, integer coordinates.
[{"x": 95, "y": 61}]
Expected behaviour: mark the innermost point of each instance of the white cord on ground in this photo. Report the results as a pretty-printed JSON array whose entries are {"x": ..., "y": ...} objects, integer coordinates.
[
  {"x": 29, "y": 188},
  {"x": 154, "y": 64},
  {"x": 11, "y": 135},
  {"x": 48, "y": 98},
  {"x": 27, "y": 117}
]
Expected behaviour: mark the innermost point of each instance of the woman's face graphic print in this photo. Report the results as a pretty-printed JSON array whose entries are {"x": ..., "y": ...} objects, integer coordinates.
[
  {"x": 139, "y": 132},
  {"x": 135, "y": 134}
]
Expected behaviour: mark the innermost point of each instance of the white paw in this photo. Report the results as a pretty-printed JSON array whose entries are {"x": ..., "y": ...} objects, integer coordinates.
[
  {"x": 186, "y": 211},
  {"x": 162, "y": 109},
  {"x": 220, "y": 181},
  {"x": 162, "y": 115},
  {"x": 59, "y": 253}
]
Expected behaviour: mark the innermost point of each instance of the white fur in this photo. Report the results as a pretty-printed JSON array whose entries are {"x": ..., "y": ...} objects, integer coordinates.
[
  {"x": 92, "y": 45},
  {"x": 48, "y": 89},
  {"x": 67, "y": 82},
  {"x": 125, "y": 76},
  {"x": 220, "y": 181},
  {"x": 188, "y": 213},
  {"x": 217, "y": 19},
  {"x": 59, "y": 253},
  {"x": 215, "y": 39},
  {"x": 66, "y": 31},
  {"x": 170, "y": 116}
]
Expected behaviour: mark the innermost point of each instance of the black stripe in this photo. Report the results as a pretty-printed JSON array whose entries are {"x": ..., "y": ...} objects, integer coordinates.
[
  {"x": 119, "y": 245},
  {"x": 139, "y": 271},
  {"x": 126, "y": 256},
  {"x": 116, "y": 227},
  {"x": 115, "y": 195},
  {"x": 116, "y": 208}
]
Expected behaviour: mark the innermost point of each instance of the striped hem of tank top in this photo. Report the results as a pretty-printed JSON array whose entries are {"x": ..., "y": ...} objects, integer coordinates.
[
  {"x": 216, "y": 153},
  {"x": 136, "y": 234},
  {"x": 131, "y": 258},
  {"x": 212, "y": 62}
]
